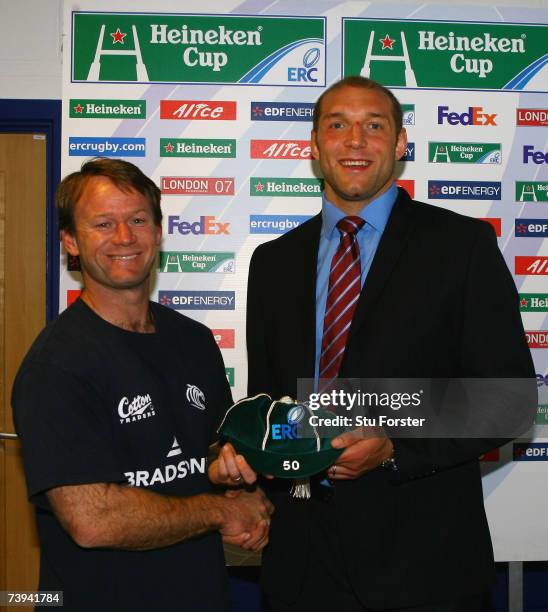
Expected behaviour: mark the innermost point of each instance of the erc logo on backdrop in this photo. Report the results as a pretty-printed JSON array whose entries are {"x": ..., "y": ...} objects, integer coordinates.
[
  {"x": 446, "y": 55},
  {"x": 275, "y": 224},
  {"x": 230, "y": 49}
]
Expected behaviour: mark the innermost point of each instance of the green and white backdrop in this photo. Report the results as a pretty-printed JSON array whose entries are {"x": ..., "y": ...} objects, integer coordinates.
[{"x": 213, "y": 101}]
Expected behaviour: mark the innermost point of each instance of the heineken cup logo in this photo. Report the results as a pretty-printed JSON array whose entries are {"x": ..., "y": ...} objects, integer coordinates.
[
  {"x": 126, "y": 47},
  {"x": 446, "y": 55}
]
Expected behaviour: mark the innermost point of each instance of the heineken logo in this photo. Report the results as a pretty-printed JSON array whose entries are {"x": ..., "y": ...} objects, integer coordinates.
[
  {"x": 531, "y": 265},
  {"x": 200, "y": 110},
  {"x": 156, "y": 48},
  {"x": 533, "y": 302},
  {"x": 197, "y": 147},
  {"x": 186, "y": 261},
  {"x": 107, "y": 109},
  {"x": 196, "y": 185},
  {"x": 280, "y": 149},
  {"x": 285, "y": 187},
  {"x": 464, "y": 153},
  {"x": 531, "y": 191},
  {"x": 541, "y": 417},
  {"x": 532, "y": 117},
  {"x": 439, "y": 54}
]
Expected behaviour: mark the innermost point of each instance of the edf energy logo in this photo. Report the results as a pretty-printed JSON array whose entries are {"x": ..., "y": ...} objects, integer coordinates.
[
  {"x": 198, "y": 300},
  {"x": 444, "y": 55},
  {"x": 531, "y": 228},
  {"x": 532, "y": 451},
  {"x": 160, "y": 48},
  {"x": 282, "y": 111},
  {"x": 464, "y": 190}
]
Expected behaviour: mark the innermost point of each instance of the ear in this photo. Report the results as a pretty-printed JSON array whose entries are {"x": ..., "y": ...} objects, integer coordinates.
[
  {"x": 401, "y": 144},
  {"x": 314, "y": 145},
  {"x": 158, "y": 235},
  {"x": 69, "y": 243}
]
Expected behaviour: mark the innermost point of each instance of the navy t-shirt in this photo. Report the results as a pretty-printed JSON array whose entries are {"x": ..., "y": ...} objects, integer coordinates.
[{"x": 96, "y": 403}]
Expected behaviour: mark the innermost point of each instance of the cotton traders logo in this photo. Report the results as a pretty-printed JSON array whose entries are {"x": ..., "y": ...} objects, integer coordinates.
[
  {"x": 195, "y": 396},
  {"x": 531, "y": 265},
  {"x": 139, "y": 408},
  {"x": 285, "y": 187},
  {"x": 156, "y": 48},
  {"x": 282, "y": 111},
  {"x": 464, "y": 190},
  {"x": 275, "y": 224},
  {"x": 531, "y": 228},
  {"x": 107, "y": 109},
  {"x": 464, "y": 153},
  {"x": 194, "y": 261},
  {"x": 280, "y": 149},
  {"x": 446, "y": 55},
  {"x": 531, "y": 191},
  {"x": 530, "y": 451},
  {"x": 533, "y": 302},
  {"x": 198, "y": 300}
]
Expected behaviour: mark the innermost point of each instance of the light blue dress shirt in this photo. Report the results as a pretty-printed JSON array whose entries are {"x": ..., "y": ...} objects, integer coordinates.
[{"x": 375, "y": 214}]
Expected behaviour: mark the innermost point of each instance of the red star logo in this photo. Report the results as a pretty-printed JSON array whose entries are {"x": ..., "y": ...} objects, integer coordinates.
[
  {"x": 524, "y": 303},
  {"x": 387, "y": 42},
  {"x": 117, "y": 37},
  {"x": 169, "y": 148},
  {"x": 259, "y": 187},
  {"x": 79, "y": 108}
]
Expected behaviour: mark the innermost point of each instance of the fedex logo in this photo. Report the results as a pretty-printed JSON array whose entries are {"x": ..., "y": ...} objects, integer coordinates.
[
  {"x": 537, "y": 157},
  {"x": 526, "y": 228},
  {"x": 474, "y": 116},
  {"x": 206, "y": 225},
  {"x": 197, "y": 110},
  {"x": 527, "y": 264},
  {"x": 542, "y": 380}
]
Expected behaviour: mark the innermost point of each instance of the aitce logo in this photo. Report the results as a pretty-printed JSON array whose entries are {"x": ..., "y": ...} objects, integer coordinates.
[{"x": 198, "y": 110}]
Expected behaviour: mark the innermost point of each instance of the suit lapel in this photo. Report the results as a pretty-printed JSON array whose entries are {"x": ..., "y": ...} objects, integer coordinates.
[
  {"x": 394, "y": 239},
  {"x": 303, "y": 291}
]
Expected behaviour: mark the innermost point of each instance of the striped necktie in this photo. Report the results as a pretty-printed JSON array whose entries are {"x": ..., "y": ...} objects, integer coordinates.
[{"x": 342, "y": 296}]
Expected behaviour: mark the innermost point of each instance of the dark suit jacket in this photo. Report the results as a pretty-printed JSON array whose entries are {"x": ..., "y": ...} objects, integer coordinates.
[{"x": 438, "y": 301}]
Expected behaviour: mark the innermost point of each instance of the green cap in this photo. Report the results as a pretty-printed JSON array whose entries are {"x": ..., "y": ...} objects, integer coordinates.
[{"x": 276, "y": 437}]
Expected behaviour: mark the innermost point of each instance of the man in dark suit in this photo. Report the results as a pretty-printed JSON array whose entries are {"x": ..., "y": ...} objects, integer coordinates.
[{"x": 402, "y": 526}]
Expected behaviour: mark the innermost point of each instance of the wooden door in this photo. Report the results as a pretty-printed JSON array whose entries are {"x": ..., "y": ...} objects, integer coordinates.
[{"x": 22, "y": 316}]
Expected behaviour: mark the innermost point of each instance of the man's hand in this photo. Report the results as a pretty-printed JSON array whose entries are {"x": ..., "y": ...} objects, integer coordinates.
[
  {"x": 231, "y": 469},
  {"x": 365, "y": 449},
  {"x": 246, "y": 519}
]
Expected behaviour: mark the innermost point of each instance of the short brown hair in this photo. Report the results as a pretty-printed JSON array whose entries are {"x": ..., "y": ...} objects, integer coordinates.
[
  {"x": 364, "y": 83},
  {"x": 124, "y": 175}
]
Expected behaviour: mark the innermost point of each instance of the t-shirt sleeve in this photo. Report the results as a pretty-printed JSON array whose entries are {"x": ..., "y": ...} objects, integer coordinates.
[{"x": 64, "y": 430}]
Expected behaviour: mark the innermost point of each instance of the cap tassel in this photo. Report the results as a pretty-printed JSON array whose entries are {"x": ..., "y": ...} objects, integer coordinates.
[{"x": 300, "y": 489}]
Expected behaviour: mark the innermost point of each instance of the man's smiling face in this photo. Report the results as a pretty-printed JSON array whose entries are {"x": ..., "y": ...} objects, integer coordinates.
[{"x": 357, "y": 146}]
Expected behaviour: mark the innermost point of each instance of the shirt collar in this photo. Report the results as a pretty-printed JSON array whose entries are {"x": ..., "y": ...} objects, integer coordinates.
[{"x": 375, "y": 213}]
